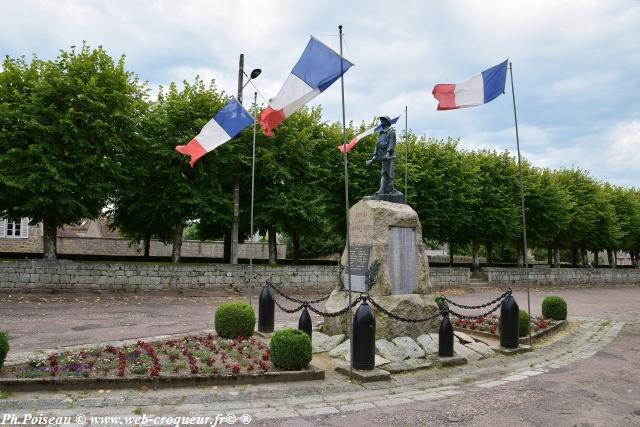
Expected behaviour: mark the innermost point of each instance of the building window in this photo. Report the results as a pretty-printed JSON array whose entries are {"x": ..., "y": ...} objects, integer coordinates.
[{"x": 13, "y": 229}]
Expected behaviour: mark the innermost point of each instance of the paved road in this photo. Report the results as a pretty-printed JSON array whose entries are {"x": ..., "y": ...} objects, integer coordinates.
[
  {"x": 45, "y": 321},
  {"x": 585, "y": 381}
]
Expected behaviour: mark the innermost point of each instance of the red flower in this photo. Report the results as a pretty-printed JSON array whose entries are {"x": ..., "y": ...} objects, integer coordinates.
[{"x": 265, "y": 355}]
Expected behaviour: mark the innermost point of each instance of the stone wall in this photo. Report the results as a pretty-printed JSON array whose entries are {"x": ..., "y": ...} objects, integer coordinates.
[
  {"x": 74, "y": 276},
  {"x": 447, "y": 277},
  {"x": 517, "y": 277},
  {"x": 124, "y": 247}
]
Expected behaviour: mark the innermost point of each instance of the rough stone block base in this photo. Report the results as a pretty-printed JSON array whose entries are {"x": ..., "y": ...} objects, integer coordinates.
[
  {"x": 509, "y": 351},
  {"x": 376, "y": 374},
  {"x": 452, "y": 361}
]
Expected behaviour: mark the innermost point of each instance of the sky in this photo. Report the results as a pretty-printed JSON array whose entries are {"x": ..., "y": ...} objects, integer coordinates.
[{"x": 575, "y": 63}]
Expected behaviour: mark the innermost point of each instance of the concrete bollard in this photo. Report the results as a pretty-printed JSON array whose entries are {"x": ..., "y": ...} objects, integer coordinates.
[
  {"x": 266, "y": 309},
  {"x": 445, "y": 337},
  {"x": 509, "y": 319},
  {"x": 363, "y": 341},
  {"x": 304, "y": 323}
]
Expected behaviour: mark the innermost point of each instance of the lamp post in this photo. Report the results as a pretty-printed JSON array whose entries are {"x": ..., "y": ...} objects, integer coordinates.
[{"x": 236, "y": 185}]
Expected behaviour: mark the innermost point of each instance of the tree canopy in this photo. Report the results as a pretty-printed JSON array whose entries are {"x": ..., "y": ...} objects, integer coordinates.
[{"x": 79, "y": 136}]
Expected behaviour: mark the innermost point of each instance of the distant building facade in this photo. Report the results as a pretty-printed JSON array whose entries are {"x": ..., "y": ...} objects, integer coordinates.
[{"x": 94, "y": 237}]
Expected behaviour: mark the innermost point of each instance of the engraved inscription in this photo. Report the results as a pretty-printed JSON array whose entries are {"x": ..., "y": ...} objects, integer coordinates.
[
  {"x": 402, "y": 260},
  {"x": 358, "y": 267}
]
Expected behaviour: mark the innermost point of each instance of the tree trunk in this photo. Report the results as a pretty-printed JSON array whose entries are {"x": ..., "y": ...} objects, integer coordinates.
[
  {"x": 611, "y": 256},
  {"x": 177, "y": 242},
  {"x": 520, "y": 252},
  {"x": 550, "y": 256},
  {"x": 273, "y": 246},
  {"x": 49, "y": 239},
  {"x": 574, "y": 257},
  {"x": 147, "y": 244},
  {"x": 450, "y": 254},
  {"x": 556, "y": 257},
  {"x": 489, "y": 248},
  {"x": 595, "y": 258},
  {"x": 295, "y": 239},
  {"x": 475, "y": 259},
  {"x": 634, "y": 259},
  {"x": 226, "y": 249},
  {"x": 585, "y": 258}
]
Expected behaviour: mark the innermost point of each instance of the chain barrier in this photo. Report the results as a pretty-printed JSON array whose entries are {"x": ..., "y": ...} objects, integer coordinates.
[
  {"x": 292, "y": 299},
  {"x": 474, "y": 307},
  {"x": 462, "y": 316},
  {"x": 366, "y": 297},
  {"x": 300, "y": 307},
  {"x": 406, "y": 319},
  {"x": 336, "y": 313}
]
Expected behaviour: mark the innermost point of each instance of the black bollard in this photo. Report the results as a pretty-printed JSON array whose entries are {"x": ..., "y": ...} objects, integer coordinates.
[
  {"x": 266, "y": 307},
  {"x": 304, "y": 324},
  {"x": 509, "y": 320},
  {"x": 445, "y": 337},
  {"x": 363, "y": 340}
]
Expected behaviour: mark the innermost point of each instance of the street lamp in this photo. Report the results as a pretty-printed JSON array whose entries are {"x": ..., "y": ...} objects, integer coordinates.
[{"x": 236, "y": 185}]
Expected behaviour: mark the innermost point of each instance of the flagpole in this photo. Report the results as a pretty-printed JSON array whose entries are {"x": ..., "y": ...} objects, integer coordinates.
[
  {"x": 253, "y": 182},
  {"x": 406, "y": 155},
  {"x": 346, "y": 195},
  {"x": 524, "y": 220}
]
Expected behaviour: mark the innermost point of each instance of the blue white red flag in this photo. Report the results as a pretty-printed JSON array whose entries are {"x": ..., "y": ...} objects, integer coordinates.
[
  {"x": 318, "y": 67},
  {"x": 367, "y": 132},
  {"x": 477, "y": 90},
  {"x": 227, "y": 123}
]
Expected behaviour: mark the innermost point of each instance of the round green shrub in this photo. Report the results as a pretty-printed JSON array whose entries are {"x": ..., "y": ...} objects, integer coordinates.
[
  {"x": 235, "y": 319},
  {"x": 4, "y": 347},
  {"x": 290, "y": 349},
  {"x": 523, "y": 324},
  {"x": 554, "y": 307}
]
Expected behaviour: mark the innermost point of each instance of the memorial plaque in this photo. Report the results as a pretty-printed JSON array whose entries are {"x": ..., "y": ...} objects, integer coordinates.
[
  {"x": 358, "y": 267},
  {"x": 402, "y": 260}
]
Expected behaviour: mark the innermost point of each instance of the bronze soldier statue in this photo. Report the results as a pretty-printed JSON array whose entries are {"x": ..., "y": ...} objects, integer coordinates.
[{"x": 384, "y": 153}]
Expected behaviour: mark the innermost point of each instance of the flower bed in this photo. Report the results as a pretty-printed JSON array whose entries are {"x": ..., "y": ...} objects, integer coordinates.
[
  {"x": 189, "y": 355},
  {"x": 186, "y": 361},
  {"x": 489, "y": 325}
]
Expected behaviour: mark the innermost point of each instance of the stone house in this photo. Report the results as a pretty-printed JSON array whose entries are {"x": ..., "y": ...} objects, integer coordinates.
[{"x": 94, "y": 237}]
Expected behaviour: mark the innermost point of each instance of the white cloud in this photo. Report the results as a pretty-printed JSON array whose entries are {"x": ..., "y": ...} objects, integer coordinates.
[
  {"x": 575, "y": 62},
  {"x": 623, "y": 146}
]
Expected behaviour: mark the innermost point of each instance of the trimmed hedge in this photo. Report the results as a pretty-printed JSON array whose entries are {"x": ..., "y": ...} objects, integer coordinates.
[
  {"x": 235, "y": 319},
  {"x": 523, "y": 323},
  {"x": 554, "y": 307},
  {"x": 4, "y": 347},
  {"x": 290, "y": 349}
]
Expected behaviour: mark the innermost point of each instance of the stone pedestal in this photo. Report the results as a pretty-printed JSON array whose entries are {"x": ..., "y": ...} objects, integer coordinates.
[
  {"x": 408, "y": 305},
  {"x": 391, "y": 234}
]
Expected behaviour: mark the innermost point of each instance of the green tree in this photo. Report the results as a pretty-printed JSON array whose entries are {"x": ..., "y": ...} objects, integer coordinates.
[
  {"x": 548, "y": 208},
  {"x": 64, "y": 126},
  {"x": 163, "y": 192},
  {"x": 439, "y": 189},
  {"x": 496, "y": 208}
]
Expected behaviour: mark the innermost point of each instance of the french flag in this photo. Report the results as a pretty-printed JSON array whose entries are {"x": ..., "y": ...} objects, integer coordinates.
[
  {"x": 227, "y": 123},
  {"x": 358, "y": 137},
  {"x": 478, "y": 90},
  {"x": 316, "y": 70}
]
